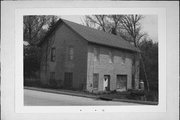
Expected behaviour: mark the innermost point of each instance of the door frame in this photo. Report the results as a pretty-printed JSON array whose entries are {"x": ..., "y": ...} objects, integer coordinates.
[
  {"x": 126, "y": 80},
  {"x": 109, "y": 78}
]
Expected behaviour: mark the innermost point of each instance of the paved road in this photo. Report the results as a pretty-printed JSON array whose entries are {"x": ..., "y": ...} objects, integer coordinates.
[{"x": 37, "y": 98}]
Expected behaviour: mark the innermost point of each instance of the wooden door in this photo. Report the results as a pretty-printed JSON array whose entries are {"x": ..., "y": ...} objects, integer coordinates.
[{"x": 68, "y": 80}]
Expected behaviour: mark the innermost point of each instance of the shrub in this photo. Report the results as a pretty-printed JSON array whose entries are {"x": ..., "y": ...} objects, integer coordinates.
[
  {"x": 135, "y": 94},
  {"x": 151, "y": 96}
]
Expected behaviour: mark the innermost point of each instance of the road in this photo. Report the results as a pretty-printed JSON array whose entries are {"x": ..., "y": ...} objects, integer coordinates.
[{"x": 37, "y": 98}]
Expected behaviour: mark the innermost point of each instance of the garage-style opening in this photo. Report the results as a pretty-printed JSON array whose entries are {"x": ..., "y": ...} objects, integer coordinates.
[{"x": 121, "y": 82}]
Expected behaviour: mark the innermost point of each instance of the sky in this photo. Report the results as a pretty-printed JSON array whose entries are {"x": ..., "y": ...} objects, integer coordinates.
[{"x": 149, "y": 24}]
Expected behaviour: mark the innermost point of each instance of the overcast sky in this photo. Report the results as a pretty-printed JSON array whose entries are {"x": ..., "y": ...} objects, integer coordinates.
[{"x": 149, "y": 24}]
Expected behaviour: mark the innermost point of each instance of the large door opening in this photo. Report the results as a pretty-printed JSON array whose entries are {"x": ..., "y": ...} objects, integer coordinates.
[
  {"x": 121, "y": 83},
  {"x": 106, "y": 83},
  {"x": 68, "y": 80}
]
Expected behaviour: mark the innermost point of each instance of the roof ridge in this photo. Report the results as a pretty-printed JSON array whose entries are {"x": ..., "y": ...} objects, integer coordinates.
[
  {"x": 93, "y": 28},
  {"x": 97, "y": 36},
  {"x": 94, "y": 36}
]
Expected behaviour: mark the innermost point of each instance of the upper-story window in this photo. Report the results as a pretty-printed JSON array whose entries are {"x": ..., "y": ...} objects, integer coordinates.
[
  {"x": 70, "y": 53},
  {"x": 111, "y": 57},
  {"x": 52, "y": 75},
  {"x": 123, "y": 59},
  {"x": 96, "y": 54},
  {"x": 53, "y": 54}
]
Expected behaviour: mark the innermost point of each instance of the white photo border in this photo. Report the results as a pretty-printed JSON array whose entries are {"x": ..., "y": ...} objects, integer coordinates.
[{"x": 19, "y": 99}]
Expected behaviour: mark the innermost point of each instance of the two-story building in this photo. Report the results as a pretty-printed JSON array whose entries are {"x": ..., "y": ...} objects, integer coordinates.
[{"x": 78, "y": 57}]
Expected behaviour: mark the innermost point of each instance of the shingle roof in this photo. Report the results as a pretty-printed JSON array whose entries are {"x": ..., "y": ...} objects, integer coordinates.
[{"x": 99, "y": 37}]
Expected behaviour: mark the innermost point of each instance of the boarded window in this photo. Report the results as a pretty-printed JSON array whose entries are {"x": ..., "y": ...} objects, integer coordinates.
[
  {"x": 111, "y": 57},
  {"x": 95, "y": 80},
  {"x": 96, "y": 54},
  {"x": 68, "y": 79},
  {"x": 52, "y": 75},
  {"x": 71, "y": 53},
  {"x": 123, "y": 59},
  {"x": 43, "y": 67},
  {"x": 53, "y": 54},
  {"x": 121, "y": 82}
]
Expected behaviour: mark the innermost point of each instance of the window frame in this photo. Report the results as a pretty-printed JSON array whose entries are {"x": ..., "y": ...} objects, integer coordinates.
[
  {"x": 123, "y": 57},
  {"x": 52, "y": 76},
  {"x": 96, "y": 52},
  {"x": 70, "y": 53},
  {"x": 53, "y": 54},
  {"x": 119, "y": 80},
  {"x": 111, "y": 56},
  {"x": 95, "y": 83}
]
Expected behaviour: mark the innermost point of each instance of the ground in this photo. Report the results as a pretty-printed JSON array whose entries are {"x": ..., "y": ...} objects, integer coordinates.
[{"x": 38, "y": 98}]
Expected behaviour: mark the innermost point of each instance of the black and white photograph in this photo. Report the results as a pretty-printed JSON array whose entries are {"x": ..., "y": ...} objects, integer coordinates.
[{"x": 90, "y": 60}]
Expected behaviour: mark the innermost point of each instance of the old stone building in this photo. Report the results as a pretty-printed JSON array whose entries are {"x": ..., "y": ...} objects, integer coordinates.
[{"x": 78, "y": 57}]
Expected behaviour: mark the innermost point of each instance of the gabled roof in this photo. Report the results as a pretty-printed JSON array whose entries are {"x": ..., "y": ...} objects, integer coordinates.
[{"x": 97, "y": 36}]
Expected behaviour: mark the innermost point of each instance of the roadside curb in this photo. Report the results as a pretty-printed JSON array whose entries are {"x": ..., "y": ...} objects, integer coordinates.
[{"x": 91, "y": 96}]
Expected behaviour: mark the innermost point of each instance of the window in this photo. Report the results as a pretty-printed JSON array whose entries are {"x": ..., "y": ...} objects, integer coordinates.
[
  {"x": 133, "y": 81},
  {"x": 71, "y": 53},
  {"x": 121, "y": 82},
  {"x": 96, "y": 54},
  {"x": 123, "y": 59},
  {"x": 68, "y": 79},
  {"x": 53, "y": 54},
  {"x": 111, "y": 60},
  {"x": 95, "y": 80},
  {"x": 52, "y": 75}
]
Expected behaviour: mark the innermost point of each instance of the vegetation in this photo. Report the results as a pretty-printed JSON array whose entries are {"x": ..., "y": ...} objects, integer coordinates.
[
  {"x": 35, "y": 28},
  {"x": 149, "y": 53}
]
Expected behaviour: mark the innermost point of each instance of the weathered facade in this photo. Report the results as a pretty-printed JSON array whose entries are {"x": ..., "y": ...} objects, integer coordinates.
[{"x": 78, "y": 57}]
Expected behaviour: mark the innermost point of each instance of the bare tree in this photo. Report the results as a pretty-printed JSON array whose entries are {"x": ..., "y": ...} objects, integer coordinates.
[
  {"x": 131, "y": 31},
  {"x": 52, "y": 21},
  {"x": 33, "y": 27},
  {"x": 114, "y": 23},
  {"x": 131, "y": 28},
  {"x": 97, "y": 21},
  {"x": 126, "y": 26}
]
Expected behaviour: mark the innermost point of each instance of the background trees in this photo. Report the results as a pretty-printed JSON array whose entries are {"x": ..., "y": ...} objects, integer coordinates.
[
  {"x": 150, "y": 57},
  {"x": 35, "y": 28},
  {"x": 126, "y": 26}
]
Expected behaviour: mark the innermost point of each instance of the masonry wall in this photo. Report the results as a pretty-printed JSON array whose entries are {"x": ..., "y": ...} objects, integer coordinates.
[
  {"x": 43, "y": 66},
  {"x": 61, "y": 39},
  {"x": 104, "y": 67}
]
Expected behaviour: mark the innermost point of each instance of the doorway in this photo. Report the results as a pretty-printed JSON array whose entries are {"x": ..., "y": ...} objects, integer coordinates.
[{"x": 106, "y": 83}]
